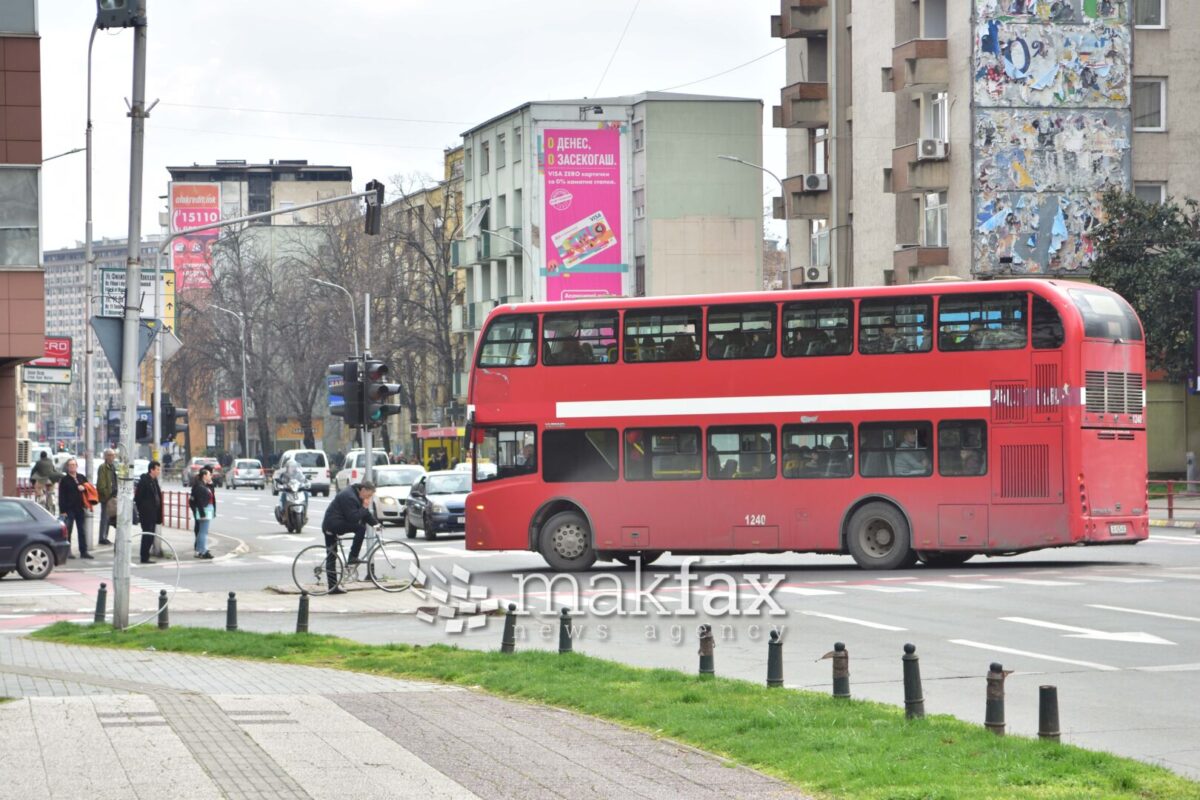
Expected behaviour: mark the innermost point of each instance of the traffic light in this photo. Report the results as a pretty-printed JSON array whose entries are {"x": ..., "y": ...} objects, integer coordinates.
[
  {"x": 376, "y": 392},
  {"x": 172, "y": 417},
  {"x": 143, "y": 430},
  {"x": 345, "y": 393},
  {"x": 374, "y": 208}
]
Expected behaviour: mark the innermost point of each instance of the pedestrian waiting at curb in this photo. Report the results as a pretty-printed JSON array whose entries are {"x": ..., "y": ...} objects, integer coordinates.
[
  {"x": 71, "y": 505},
  {"x": 106, "y": 487},
  {"x": 204, "y": 510},
  {"x": 148, "y": 505}
]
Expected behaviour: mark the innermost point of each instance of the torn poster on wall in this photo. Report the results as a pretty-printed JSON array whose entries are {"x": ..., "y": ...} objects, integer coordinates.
[
  {"x": 1051, "y": 151},
  {"x": 1054, "y": 10},
  {"x": 1034, "y": 233}
]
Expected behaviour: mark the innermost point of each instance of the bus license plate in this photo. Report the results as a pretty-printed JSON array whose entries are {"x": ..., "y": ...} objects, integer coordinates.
[{"x": 1118, "y": 529}]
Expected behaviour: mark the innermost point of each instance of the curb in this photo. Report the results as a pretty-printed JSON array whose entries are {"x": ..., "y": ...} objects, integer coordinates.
[{"x": 1167, "y": 523}]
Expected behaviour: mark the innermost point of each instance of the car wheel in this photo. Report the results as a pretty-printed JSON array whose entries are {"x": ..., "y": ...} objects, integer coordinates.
[
  {"x": 566, "y": 542},
  {"x": 35, "y": 562},
  {"x": 410, "y": 530},
  {"x": 430, "y": 533},
  {"x": 878, "y": 537}
]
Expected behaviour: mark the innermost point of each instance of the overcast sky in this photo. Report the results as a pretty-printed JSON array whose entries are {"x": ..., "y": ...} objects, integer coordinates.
[{"x": 445, "y": 65}]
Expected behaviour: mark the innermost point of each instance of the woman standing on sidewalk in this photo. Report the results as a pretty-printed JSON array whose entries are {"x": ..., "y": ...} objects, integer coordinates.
[
  {"x": 71, "y": 505},
  {"x": 204, "y": 509}
]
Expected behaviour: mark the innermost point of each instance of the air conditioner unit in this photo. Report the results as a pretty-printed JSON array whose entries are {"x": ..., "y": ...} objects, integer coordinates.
[
  {"x": 815, "y": 182},
  {"x": 816, "y": 274},
  {"x": 931, "y": 150}
]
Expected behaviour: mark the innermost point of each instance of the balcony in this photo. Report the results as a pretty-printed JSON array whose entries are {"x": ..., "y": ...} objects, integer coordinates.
[
  {"x": 471, "y": 250},
  {"x": 501, "y": 247},
  {"x": 910, "y": 174},
  {"x": 919, "y": 65},
  {"x": 803, "y": 105},
  {"x": 800, "y": 18},
  {"x": 802, "y": 204},
  {"x": 908, "y": 259}
]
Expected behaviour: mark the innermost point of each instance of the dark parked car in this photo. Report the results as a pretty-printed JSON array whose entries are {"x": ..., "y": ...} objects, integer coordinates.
[
  {"x": 438, "y": 504},
  {"x": 31, "y": 540}
]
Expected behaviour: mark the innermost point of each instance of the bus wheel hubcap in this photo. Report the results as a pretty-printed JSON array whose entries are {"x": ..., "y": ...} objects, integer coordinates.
[
  {"x": 569, "y": 541},
  {"x": 879, "y": 537}
]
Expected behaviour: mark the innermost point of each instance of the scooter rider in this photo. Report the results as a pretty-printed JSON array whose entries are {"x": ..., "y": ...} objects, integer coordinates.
[{"x": 291, "y": 472}]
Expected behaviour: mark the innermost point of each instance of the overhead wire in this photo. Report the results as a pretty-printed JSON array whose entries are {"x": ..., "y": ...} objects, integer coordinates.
[
  {"x": 612, "y": 57},
  {"x": 722, "y": 72}
]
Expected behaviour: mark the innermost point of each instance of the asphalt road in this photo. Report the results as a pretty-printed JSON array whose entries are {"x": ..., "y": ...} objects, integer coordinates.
[{"x": 1116, "y": 629}]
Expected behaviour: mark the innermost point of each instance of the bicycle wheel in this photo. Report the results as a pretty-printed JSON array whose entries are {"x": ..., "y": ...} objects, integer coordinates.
[
  {"x": 310, "y": 571},
  {"x": 391, "y": 566}
]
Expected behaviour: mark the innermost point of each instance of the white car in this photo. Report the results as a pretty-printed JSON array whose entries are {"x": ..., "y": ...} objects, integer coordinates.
[
  {"x": 486, "y": 469},
  {"x": 392, "y": 484},
  {"x": 354, "y": 468},
  {"x": 313, "y": 463}
]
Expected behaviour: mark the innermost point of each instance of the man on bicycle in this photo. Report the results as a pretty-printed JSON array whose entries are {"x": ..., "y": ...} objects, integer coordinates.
[
  {"x": 43, "y": 476},
  {"x": 350, "y": 512}
]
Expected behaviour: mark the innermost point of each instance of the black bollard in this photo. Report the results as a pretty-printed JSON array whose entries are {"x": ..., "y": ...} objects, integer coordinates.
[
  {"x": 1048, "y": 713},
  {"x": 302, "y": 614},
  {"x": 508, "y": 640},
  {"x": 914, "y": 699},
  {"x": 163, "y": 621},
  {"x": 841, "y": 670},
  {"x": 231, "y": 613},
  {"x": 706, "y": 652},
  {"x": 993, "y": 717},
  {"x": 101, "y": 604},
  {"x": 564, "y": 632},
  {"x": 775, "y": 661}
]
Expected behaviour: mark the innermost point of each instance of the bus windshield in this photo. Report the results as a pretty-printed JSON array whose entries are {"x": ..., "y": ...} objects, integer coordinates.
[{"x": 1106, "y": 316}]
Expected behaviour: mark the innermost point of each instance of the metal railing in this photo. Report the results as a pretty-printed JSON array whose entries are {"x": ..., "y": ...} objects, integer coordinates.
[{"x": 1178, "y": 498}]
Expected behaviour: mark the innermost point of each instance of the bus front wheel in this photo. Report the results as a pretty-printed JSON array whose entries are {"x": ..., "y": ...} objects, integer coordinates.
[
  {"x": 878, "y": 538},
  {"x": 566, "y": 542}
]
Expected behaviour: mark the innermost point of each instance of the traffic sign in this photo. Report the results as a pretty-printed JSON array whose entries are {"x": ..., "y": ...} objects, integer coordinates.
[{"x": 112, "y": 295}]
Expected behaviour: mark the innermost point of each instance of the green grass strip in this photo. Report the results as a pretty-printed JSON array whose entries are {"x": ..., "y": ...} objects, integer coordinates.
[{"x": 833, "y": 748}]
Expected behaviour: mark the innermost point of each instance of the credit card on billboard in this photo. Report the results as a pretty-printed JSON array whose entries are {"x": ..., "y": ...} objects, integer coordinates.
[{"x": 580, "y": 241}]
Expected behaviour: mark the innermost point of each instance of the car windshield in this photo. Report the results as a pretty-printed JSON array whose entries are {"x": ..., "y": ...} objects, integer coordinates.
[
  {"x": 449, "y": 484},
  {"x": 397, "y": 477},
  {"x": 360, "y": 460},
  {"x": 310, "y": 460},
  {"x": 249, "y": 465}
]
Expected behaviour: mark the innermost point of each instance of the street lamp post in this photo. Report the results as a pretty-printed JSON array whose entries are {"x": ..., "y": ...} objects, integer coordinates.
[
  {"x": 787, "y": 247},
  {"x": 353, "y": 313},
  {"x": 245, "y": 407}
]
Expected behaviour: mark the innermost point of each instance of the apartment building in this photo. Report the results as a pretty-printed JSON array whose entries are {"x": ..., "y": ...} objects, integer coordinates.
[
  {"x": 608, "y": 197},
  {"x": 22, "y": 320}
]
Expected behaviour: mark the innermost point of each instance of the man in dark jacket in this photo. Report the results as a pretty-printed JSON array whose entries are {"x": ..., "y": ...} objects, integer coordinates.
[
  {"x": 106, "y": 487},
  {"x": 71, "y": 505},
  {"x": 350, "y": 512},
  {"x": 147, "y": 498}
]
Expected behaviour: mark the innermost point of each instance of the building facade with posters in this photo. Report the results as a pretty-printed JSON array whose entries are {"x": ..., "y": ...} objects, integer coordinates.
[
  {"x": 619, "y": 196},
  {"x": 989, "y": 171},
  {"x": 22, "y": 296}
]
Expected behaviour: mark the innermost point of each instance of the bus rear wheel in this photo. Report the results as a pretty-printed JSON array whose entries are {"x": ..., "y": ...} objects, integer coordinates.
[
  {"x": 936, "y": 558},
  {"x": 566, "y": 542},
  {"x": 878, "y": 538},
  {"x": 648, "y": 557}
]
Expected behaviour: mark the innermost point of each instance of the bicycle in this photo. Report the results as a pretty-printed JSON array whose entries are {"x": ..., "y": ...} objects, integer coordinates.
[
  {"x": 387, "y": 563},
  {"x": 46, "y": 494}
]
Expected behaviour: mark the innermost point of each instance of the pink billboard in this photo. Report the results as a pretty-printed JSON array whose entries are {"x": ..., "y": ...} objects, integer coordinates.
[
  {"x": 582, "y": 190},
  {"x": 193, "y": 205}
]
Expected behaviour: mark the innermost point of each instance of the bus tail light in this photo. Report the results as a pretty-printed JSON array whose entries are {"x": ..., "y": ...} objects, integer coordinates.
[{"x": 479, "y": 507}]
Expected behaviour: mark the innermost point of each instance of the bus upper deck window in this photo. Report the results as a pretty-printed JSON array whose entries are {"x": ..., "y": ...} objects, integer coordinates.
[
  {"x": 1047, "y": 325},
  {"x": 509, "y": 342},
  {"x": 1106, "y": 316}
]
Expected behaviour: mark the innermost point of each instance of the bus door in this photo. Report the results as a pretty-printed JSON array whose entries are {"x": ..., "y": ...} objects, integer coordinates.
[{"x": 742, "y": 490}]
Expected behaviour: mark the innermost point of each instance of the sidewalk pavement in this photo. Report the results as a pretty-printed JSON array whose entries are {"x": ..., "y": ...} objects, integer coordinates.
[{"x": 121, "y": 724}]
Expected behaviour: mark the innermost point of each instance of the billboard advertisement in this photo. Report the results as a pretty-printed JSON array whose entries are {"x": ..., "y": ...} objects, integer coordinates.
[
  {"x": 581, "y": 192},
  {"x": 231, "y": 408},
  {"x": 194, "y": 204},
  {"x": 55, "y": 364}
]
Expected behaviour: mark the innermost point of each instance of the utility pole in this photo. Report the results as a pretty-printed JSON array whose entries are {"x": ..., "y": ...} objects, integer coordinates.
[
  {"x": 368, "y": 448},
  {"x": 89, "y": 277},
  {"x": 133, "y": 306}
]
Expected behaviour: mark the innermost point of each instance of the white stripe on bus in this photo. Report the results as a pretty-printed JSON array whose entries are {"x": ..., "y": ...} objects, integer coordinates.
[{"x": 776, "y": 404}]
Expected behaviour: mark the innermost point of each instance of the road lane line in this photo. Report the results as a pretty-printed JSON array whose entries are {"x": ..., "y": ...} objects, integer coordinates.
[
  {"x": 958, "y": 585},
  {"x": 1030, "y": 582},
  {"x": 1147, "y": 613},
  {"x": 1114, "y": 579},
  {"x": 888, "y": 589},
  {"x": 804, "y": 592},
  {"x": 1171, "y": 668},
  {"x": 998, "y": 649},
  {"x": 877, "y": 625}
]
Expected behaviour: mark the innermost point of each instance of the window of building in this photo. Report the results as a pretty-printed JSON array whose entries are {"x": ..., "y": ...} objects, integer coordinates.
[
  {"x": 18, "y": 16},
  {"x": 818, "y": 451},
  {"x": 1150, "y": 13},
  {"x": 742, "y": 453},
  {"x": 639, "y": 272},
  {"x": 818, "y": 328},
  {"x": 1047, "y": 325},
  {"x": 501, "y": 151},
  {"x": 639, "y": 134},
  {"x": 933, "y": 229},
  {"x": 18, "y": 217},
  {"x": 485, "y": 157},
  {"x": 518, "y": 139},
  {"x": 741, "y": 332},
  {"x": 1150, "y": 104},
  {"x": 1150, "y": 191},
  {"x": 588, "y": 337},
  {"x": 894, "y": 325},
  {"x": 899, "y": 449},
  {"x": 510, "y": 342},
  {"x": 468, "y": 164},
  {"x": 820, "y": 151},
  {"x": 933, "y": 19},
  {"x": 662, "y": 454},
  {"x": 962, "y": 447},
  {"x": 936, "y": 119},
  {"x": 992, "y": 321},
  {"x": 639, "y": 203},
  {"x": 663, "y": 334},
  {"x": 516, "y": 210},
  {"x": 588, "y": 456},
  {"x": 511, "y": 450},
  {"x": 501, "y": 211},
  {"x": 818, "y": 243}
]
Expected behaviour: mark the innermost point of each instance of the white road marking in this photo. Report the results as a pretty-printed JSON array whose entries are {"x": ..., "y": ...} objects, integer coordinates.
[
  {"x": 866, "y": 624},
  {"x": 1114, "y": 579},
  {"x": 958, "y": 585},
  {"x": 804, "y": 591},
  {"x": 277, "y": 559},
  {"x": 998, "y": 649},
  {"x": 1171, "y": 668},
  {"x": 1076, "y": 632},
  {"x": 888, "y": 589},
  {"x": 1030, "y": 582},
  {"x": 1146, "y": 613}
]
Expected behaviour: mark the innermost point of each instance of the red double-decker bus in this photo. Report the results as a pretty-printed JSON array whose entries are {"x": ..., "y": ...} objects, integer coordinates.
[{"x": 930, "y": 422}]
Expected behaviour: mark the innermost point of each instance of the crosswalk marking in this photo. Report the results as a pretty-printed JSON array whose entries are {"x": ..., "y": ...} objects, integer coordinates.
[{"x": 34, "y": 589}]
